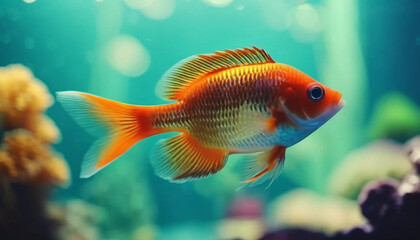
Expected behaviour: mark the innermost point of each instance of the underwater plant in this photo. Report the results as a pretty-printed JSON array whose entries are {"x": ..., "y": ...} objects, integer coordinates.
[
  {"x": 29, "y": 167},
  {"x": 396, "y": 117},
  {"x": 129, "y": 212}
]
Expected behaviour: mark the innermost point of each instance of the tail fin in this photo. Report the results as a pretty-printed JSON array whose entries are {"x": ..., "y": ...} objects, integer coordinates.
[{"x": 118, "y": 126}]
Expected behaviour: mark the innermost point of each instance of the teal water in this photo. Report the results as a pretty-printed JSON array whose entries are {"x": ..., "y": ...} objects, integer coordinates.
[{"x": 364, "y": 49}]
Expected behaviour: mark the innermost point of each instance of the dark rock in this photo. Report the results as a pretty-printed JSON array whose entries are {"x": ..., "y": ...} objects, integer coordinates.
[
  {"x": 409, "y": 216},
  {"x": 359, "y": 233},
  {"x": 379, "y": 201},
  {"x": 295, "y": 234}
]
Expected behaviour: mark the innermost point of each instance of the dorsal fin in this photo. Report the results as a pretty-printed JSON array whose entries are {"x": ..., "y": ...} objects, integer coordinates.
[{"x": 186, "y": 71}]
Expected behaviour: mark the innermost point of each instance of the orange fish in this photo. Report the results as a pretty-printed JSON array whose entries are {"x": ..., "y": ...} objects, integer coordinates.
[{"x": 228, "y": 102}]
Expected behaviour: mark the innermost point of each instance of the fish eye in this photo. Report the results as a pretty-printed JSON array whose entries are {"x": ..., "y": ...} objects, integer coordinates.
[{"x": 315, "y": 93}]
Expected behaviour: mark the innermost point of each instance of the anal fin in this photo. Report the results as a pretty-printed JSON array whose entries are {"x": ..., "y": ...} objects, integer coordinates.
[
  {"x": 182, "y": 157},
  {"x": 264, "y": 166}
]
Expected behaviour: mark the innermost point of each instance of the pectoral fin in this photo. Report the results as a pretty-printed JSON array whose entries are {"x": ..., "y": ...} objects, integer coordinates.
[
  {"x": 265, "y": 165},
  {"x": 271, "y": 125}
]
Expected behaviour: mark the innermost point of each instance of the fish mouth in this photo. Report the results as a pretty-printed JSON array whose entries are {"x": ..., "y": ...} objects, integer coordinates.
[
  {"x": 319, "y": 120},
  {"x": 341, "y": 104}
]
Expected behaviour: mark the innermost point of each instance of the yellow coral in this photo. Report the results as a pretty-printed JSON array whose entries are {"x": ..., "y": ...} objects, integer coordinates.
[
  {"x": 22, "y": 91},
  {"x": 56, "y": 170},
  {"x": 23, "y": 99},
  {"x": 44, "y": 128},
  {"x": 26, "y": 158},
  {"x": 7, "y": 167},
  {"x": 25, "y": 154}
]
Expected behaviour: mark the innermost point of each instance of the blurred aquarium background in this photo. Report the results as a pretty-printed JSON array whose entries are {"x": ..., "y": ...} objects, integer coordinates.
[{"x": 368, "y": 50}]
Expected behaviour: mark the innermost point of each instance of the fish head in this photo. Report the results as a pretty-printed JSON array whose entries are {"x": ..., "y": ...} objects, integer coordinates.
[{"x": 308, "y": 103}]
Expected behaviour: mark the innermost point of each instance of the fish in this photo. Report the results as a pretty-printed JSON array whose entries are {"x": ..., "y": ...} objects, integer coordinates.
[{"x": 228, "y": 102}]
